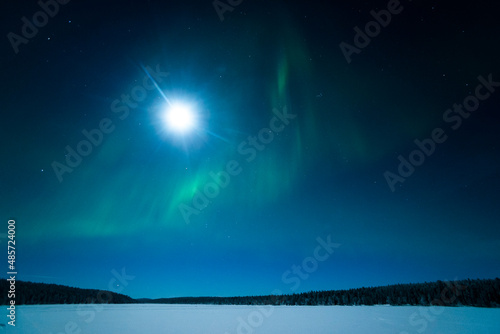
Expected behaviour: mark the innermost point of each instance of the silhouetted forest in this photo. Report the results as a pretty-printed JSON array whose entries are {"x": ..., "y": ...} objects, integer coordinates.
[
  {"x": 29, "y": 293},
  {"x": 479, "y": 293}
]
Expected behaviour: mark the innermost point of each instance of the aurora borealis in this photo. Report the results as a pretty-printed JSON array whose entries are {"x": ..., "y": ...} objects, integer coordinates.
[{"x": 291, "y": 145}]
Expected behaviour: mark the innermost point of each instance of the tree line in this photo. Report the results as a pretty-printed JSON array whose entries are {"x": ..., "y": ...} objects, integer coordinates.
[
  {"x": 478, "y": 292},
  {"x": 29, "y": 293}
]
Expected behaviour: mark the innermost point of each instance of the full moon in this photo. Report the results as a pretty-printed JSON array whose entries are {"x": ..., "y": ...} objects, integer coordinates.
[{"x": 180, "y": 117}]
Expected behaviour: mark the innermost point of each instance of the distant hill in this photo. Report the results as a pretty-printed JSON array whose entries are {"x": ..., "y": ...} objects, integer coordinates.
[
  {"x": 478, "y": 292},
  {"x": 29, "y": 293}
]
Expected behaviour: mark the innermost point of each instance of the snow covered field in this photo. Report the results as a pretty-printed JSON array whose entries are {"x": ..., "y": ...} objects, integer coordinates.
[{"x": 192, "y": 319}]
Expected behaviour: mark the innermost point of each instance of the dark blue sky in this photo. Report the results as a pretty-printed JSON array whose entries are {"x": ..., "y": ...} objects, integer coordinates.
[{"x": 323, "y": 158}]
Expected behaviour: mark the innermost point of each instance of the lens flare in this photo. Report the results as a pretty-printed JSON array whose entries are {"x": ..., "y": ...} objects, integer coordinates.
[{"x": 180, "y": 118}]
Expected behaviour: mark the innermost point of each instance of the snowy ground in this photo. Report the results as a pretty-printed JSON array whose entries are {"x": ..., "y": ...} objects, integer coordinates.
[{"x": 192, "y": 319}]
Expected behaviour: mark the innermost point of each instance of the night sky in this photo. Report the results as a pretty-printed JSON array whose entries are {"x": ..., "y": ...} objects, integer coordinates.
[{"x": 323, "y": 156}]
